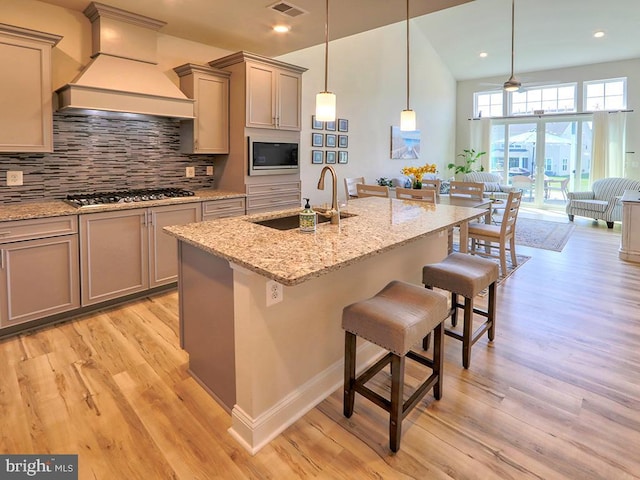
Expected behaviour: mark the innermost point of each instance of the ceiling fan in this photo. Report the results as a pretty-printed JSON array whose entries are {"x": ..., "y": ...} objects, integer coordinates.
[{"x": 513, "y": 84}]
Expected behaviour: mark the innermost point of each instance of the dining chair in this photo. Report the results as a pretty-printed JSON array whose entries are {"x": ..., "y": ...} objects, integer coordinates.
[
  {"x": 371, "y": 190},
  {"x": 467, "y": 189},
  {"x": 433, "y": 184},
  {"x": 423, "y": 195},
  {"x": 504, "y": 235},
  {"x": 350, "y": 186}
]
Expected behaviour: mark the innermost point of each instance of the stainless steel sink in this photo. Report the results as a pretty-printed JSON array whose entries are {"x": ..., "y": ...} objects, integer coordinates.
[{"x": 293, "y": 221}]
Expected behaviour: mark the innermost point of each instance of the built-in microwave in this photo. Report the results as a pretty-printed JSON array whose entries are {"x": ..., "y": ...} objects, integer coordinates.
[{"x": 272, "y": 157}]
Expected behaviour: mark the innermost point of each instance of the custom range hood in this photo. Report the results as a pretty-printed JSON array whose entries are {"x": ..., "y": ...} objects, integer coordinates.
[{"x": 123, "y": 75}]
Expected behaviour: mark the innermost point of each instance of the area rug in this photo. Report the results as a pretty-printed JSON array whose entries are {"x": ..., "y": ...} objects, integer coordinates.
[{"x": 543, "y": 233}]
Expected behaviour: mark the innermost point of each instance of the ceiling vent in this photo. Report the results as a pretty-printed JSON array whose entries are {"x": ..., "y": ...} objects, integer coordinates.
[{"x": 287, "y": 9}]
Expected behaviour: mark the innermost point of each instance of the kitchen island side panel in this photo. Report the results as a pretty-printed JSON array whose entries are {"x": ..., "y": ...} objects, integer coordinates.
[{"x": 206, "y": 300}]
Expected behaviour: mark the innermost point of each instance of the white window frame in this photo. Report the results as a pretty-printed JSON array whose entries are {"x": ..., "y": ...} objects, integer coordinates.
[
  {"x": 530, "y": 109},
  {"x": 476, "y": 112},
  {"x": 604, "y": 83}
]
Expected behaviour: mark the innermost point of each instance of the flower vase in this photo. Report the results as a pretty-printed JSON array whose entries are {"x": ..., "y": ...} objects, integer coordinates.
[{"x": 417, "y": 184}]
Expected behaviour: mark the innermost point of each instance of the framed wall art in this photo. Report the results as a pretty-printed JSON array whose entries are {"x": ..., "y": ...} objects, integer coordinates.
[
  {"x": 330, "y": 126},
  {"x": 330, "y": 140},
  {"x": 343, "y": 125},
  {"x": 316, "y": 124},
  {"x": 343, "y": 141},
  {"x": 317, "y": 140},
  {"x": 405, "y": 145},
  {"x": 330, "y": 156},
  {"x": 316, "y": 157},
  {"x": 343, "y": 156}
]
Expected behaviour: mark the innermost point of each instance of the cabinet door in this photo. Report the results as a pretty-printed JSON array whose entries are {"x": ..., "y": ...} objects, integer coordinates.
[
  {"x": 289, "y": 97},
  {"x": 39, "y": 278},
  {"x": 114, "y": 254},
  {"x": 261, "y": 90},
  {"x": 212, "y": 115},
  {"x": 25, "y": 57},
  {"x": 163, "y": 262}
]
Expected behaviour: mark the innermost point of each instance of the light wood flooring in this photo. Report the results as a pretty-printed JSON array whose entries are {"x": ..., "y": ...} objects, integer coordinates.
[{"x": 556, "y": 396}]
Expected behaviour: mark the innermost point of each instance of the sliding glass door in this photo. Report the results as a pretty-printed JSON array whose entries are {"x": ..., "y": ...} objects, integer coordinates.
[{"x": 545, "y": 157}]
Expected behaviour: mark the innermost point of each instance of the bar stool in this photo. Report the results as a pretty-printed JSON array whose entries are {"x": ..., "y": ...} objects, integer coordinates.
[
  {"x": 465, "y": 275},
  {"x": 396, "y": 318}
]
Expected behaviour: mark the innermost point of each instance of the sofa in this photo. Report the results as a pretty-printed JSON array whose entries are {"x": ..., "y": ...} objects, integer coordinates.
[
  {"x": 492, "y": 184},
  {"x": 602, "y": 202}
]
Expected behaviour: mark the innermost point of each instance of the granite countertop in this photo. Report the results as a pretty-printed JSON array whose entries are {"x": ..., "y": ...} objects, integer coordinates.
[
  {"x": 291, "y": 257},
  {"x": 57, "y": 208}
]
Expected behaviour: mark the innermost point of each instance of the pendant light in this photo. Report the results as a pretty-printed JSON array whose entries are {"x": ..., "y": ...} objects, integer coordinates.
[
  {"x": 408, "y": 116},
  {"x": 513, "y": 84},
  {"x": 325, "y": 100}
]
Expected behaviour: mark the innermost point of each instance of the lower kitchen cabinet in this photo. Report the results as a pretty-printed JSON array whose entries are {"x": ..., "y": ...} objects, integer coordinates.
[
  {"x": 264, "y": 197},
  {"x": 39, "y": 269},
  {"x": 227, "y": 207},
  {"x": 126, "y": 252}
]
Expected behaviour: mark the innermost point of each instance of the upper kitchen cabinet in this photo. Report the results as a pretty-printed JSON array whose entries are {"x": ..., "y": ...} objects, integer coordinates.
[
  {"x": 208, "y": 132},
  {"x": 272, "y": 90},
  {"x": 26, "y": 123}
]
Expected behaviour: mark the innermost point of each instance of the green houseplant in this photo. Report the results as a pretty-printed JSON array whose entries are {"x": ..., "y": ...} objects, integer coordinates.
[{"x": 470, "y": 157}]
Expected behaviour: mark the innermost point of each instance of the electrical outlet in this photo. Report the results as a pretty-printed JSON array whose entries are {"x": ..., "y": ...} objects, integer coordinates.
[
  {"x": 275, "y": 293},
  {"x": 209, "y": 170},
  {"x": 190, "y": 172},
  {"x": 14, "y": 178}
]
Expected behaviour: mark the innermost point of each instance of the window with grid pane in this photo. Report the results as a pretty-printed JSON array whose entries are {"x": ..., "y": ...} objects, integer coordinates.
[
  {"x": 551, "y": 99},
  {"x": 487, "y": 104},
  {"x": 608, "y": 94}
]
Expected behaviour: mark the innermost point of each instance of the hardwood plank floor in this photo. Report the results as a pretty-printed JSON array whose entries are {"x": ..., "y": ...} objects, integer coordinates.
[{"x": 556, "y": 396}]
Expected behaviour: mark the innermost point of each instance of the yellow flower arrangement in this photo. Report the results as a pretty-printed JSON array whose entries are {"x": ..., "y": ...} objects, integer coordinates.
[{"x": 418, "y": 172}]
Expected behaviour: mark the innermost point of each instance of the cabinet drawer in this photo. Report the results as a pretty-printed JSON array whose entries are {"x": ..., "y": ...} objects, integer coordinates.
[
  {"x": 273, "y": 202},
  {"x": 228, "y": 207},
  {"x": 37, "y": 228},
  {"x": 270, "y": 188}
]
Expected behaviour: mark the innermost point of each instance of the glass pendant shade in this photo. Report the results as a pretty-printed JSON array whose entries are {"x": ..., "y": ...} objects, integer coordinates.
[
  {"x": 326, "y": 107},
  {"x": 408, "y": 120}
]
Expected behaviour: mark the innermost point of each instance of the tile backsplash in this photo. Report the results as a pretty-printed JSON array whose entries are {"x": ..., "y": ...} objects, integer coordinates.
[{"x": 97, "y": 153}]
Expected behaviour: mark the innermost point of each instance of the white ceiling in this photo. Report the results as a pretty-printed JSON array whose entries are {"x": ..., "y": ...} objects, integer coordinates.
[{"x": 548, "y": 33}]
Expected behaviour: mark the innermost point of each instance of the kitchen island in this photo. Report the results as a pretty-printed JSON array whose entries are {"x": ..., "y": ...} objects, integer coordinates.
[{"x": 260, "y": 308}]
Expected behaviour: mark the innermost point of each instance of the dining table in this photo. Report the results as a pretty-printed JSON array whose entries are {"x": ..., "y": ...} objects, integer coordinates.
[{"x": 465, "y": 201}]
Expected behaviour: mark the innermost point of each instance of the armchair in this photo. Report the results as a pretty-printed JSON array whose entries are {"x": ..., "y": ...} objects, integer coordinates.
[
  {"x": 602, "y": 202},
  {"x": 492, "y": 184}
]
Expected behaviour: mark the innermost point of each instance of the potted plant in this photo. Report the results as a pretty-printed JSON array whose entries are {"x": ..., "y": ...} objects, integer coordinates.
[{"x": 470, "y": 156}]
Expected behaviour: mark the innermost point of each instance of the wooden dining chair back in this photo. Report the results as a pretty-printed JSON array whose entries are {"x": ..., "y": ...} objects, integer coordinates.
[
  {"x": 372, "y": 190},
  {"x": 473, "y": 190},
  {"x": 504, "y": 235},
  {"x": 350, "y": 186},
  {"x": 422, "y": 195},
  {"x": 434, "y": 185}
]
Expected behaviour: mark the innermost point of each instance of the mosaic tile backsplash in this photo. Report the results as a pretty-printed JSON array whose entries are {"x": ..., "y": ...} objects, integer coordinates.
[{"x": 95, "y": 153}]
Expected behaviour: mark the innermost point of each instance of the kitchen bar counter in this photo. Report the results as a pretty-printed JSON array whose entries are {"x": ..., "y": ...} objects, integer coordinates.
[
  {"x": 291, "y": 257},
  {"x": 270, "y": 351},
  {"x": 57, "y": 208}
]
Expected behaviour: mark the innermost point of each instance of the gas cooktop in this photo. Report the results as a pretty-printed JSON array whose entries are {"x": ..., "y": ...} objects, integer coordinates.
[{"x": 126, "y": 196}]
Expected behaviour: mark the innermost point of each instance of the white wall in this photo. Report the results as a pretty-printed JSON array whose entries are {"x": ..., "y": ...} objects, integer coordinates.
[
  {"x": 367, "y": 74},
  {"x": 627, "y": 68}
]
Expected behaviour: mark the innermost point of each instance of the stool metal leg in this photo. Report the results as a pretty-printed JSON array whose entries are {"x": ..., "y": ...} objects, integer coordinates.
[
  {"x": 467, "y": 332},
  {"x": 438, "y": 359},
  {"x": 349, "y": 373},
  {"x": 397, "y": 384},
  {"x": 491, "y": 311}
]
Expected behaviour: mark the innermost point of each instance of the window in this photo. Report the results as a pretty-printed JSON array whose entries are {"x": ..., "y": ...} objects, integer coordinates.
[
  {"x": 551, "y": 99},
  {"x": 487, "y": 104},
  {"x": 608, "y": 94}
]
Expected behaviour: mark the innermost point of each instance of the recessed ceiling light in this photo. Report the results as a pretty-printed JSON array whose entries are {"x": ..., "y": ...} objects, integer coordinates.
[
  {"x": 599, "y": 34},
  {"x": 281, "y": 28},
  {"x": 483, "y": 54}
]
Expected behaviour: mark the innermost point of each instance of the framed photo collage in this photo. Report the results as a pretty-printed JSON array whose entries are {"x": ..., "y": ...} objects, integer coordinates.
[{"x": 333, "y": 141}]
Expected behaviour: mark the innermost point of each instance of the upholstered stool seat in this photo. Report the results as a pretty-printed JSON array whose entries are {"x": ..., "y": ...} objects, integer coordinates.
[
  {"x": 465, "y": 275},
  {"x": 396, "y": 318}
]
